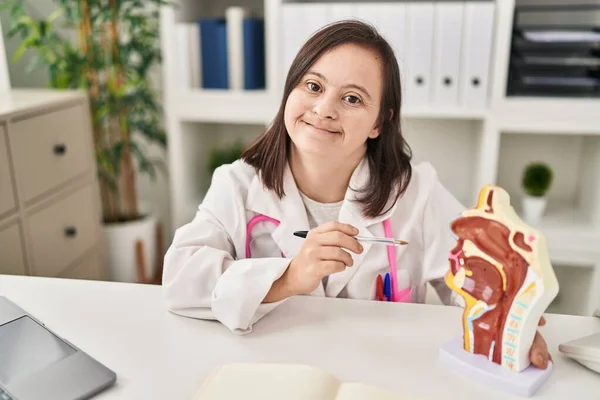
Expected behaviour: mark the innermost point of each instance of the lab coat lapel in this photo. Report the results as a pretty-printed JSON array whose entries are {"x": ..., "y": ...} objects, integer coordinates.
[
  {"x": 351, "y": 213},
  {"x": 289, "y": 211}
]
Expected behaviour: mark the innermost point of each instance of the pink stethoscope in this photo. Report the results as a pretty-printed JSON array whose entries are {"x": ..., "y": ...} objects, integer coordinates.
[{"x": 400, "y": 296}]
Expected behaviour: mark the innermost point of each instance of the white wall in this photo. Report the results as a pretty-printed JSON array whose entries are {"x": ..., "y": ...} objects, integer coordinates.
[
  {"x": 4, "y": 81},
  {"x": 18, "y": 77}
]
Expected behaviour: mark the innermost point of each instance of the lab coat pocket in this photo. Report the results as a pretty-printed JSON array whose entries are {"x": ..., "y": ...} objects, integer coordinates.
[
  {"x": 404, "y": 280},
  {"x": 263, "y": 245}
]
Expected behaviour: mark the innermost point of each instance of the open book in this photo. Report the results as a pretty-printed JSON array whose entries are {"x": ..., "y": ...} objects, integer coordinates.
[{"x": 285, "y": 381}]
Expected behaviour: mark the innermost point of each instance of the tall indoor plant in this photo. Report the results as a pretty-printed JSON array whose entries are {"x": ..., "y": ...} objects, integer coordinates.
[{"x": 105, "y": 47}]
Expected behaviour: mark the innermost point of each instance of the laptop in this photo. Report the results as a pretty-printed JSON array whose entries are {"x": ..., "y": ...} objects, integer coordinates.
[
  {"x": 585, "y": 350},
  {"x": 36, "y": 364}
]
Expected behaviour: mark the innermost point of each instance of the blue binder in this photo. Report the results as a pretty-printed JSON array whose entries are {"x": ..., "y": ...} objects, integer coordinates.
[
  {"x": 213, "y": 43},
  {"x": 254, "y": 53}
]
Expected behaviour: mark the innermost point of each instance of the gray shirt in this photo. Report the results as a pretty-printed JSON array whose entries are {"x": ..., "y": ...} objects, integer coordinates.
[{"x": 320, "y": 213}]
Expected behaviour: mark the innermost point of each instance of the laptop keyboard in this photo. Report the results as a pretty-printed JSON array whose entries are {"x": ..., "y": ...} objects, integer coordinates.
[{"x": 4, "y": 395}]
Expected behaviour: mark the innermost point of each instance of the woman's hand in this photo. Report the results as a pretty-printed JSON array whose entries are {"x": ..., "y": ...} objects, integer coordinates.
[
  {"x": 539, "y": 354},
  {"x": 322, "y": 254}
]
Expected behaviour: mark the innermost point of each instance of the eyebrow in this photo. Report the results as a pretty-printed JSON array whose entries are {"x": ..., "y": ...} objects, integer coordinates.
[{"x": 351, "y": 85}]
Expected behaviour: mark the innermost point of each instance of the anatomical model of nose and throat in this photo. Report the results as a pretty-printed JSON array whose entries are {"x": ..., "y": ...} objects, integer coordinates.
[{"x": 501, "y": 269}]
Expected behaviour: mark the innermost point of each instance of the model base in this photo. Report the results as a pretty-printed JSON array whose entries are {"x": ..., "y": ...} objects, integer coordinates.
[{"x": 476, "y": 366}]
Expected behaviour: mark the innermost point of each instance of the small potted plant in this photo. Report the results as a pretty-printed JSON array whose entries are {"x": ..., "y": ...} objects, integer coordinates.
[
  {"x": 224, "y": 155},
  {"x": 536, "y": 181}
]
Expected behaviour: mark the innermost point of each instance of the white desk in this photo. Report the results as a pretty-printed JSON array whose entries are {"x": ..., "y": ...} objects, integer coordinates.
[{"x": 158, "y": 355}]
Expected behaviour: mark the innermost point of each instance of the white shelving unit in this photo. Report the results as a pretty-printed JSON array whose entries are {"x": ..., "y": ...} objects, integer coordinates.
[{"x": 469, "y": 148}]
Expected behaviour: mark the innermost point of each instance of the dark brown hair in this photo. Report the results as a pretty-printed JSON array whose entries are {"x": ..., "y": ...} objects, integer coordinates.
[{"x": 388, "y": 154}]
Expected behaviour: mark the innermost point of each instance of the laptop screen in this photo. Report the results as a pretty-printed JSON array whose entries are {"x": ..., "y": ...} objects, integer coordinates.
[{"x": 26, "y": 347}]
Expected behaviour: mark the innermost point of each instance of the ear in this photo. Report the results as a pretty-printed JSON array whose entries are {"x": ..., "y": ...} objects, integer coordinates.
[
  {"x": 377, "y": 129},
  {"x": 375, "y": 132}
]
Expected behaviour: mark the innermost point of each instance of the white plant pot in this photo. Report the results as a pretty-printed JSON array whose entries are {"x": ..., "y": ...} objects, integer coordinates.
[
  {"x": 121, "y": 238},
  {"x": 533, "y": 209}
]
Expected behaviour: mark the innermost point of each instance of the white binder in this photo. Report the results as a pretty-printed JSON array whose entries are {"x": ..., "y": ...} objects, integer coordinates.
[
  {"x": 584, "y": 350},
  {"x": 446, "y": 54},
  {"x": 234, "y": 18},
  {"x": 419, "y": 53},
  {"x": 390, "y": 21},
  {"x": 299, "y": 22},
  {"x": 194, "y": 54},
  {"x": 477, "y": 45},
  {"x": 188, "y": 55}
]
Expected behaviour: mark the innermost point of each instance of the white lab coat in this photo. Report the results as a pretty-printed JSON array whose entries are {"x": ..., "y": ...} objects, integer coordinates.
[{"x": 207, "y": 276}]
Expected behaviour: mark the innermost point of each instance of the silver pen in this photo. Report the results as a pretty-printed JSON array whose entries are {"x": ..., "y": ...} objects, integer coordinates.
[
  {"x": 383, "y": 240},
  {"x": 365, "y": 239}
]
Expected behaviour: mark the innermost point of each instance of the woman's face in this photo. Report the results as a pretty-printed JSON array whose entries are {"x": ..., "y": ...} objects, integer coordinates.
[{"x": 334, "y": 109}]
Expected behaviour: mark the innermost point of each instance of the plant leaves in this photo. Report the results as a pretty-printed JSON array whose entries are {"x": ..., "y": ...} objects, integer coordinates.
[
  {"x": 114, "y": 73},
  {"x": 36, "y": 61},
  {"x": 144, "y": 164}
]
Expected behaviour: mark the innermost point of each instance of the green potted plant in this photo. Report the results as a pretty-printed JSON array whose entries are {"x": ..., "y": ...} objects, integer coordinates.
[
  {"x": 536, "y": 181},
  {"x": 224, "y": 155},
  {"x": 106, "y": 48}
]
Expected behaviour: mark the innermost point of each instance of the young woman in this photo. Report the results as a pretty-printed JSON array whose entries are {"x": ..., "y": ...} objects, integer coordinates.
[{"x": 333, "y": 163}]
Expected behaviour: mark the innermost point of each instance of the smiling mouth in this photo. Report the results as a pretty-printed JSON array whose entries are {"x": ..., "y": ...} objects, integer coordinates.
[{"x": 321, "y": 129}]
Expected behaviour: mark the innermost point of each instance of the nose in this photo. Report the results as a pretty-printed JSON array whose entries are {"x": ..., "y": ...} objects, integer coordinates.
[{"x": 326, "y": 106}]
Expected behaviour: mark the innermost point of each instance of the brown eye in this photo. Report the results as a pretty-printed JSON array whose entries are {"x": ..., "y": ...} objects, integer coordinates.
[
  {"x": 313, "y": 87},
  {"x": 352, "y": 99}
]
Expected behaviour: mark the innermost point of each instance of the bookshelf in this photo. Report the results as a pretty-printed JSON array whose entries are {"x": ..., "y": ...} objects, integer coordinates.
[
  {"x": 469, "y": 147},
  {"x": 569, "y": 116},
  {"x": 217, "y": 106}
]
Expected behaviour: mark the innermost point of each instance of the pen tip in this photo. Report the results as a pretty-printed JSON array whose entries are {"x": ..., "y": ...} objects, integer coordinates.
[{"x": 402, "y": 242}]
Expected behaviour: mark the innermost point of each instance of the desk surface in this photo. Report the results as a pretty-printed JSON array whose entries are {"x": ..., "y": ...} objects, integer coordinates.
[{"x": 158, "y": 355}]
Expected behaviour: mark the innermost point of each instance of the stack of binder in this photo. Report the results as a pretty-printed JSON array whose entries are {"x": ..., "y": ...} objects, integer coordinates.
[
  {"x": 443, "y": 47},
  {"x": 225, "y": 52},
  {"x": 233, "y": 51},
  {"x": 554, "y": 53}
]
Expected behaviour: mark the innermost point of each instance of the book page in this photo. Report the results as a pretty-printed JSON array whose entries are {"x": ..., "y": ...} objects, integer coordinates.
[
  {"x": 361, "y": 391},
  {"x": 268, "y": 382}
]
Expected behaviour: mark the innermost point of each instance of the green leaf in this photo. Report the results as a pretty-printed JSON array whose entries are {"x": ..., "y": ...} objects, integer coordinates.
[
  {"x": 150, "y": 130},
  {"x": 16, "y": 12},
  {"x": 36, "y": 61},
  {"x": 109, "y": 180},
  {"x": 144, "y": 164},
  {"x": 42, "y": 28},
  {"x": 54, "y": 15},
  {"x": 118, "y": 155},
  {"x": 101, "y": 113},
  {"x": 20, "y": 51},
  {"x": 160, "y": 163},
  {"x": 106, "y": 168}
]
